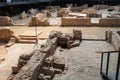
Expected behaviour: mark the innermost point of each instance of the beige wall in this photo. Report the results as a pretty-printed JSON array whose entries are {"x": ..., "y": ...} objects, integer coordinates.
[
  {"x": 108, "y": 22},
  {"x": 6, "y": 21},
  {"x": 75, "y": 22},
  {"x": 111, "y": 22}
]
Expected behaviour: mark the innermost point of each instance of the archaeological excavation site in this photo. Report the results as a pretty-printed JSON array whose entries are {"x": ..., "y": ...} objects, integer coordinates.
[{"x": 59, "y": 39}]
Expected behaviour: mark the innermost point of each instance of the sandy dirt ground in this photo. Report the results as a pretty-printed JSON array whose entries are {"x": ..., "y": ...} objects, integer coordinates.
[
  {"x": 83, "y": 61},
  {"x": 11, "y": 58},
  {"x": 89, "y": 31}
]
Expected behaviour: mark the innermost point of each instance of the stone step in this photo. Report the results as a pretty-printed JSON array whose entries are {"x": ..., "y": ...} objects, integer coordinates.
[
  {"x": 28, "y": 38},
  {"x": 27, "y": 41},
  {"x": 30, "y": 34}
]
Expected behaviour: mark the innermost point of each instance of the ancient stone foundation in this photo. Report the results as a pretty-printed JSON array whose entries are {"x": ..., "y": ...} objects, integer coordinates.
[{"x": 42, "y": 64}]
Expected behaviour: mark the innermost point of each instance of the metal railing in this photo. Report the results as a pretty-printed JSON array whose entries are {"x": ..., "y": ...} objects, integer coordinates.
[{"x": 110, "y": 65}]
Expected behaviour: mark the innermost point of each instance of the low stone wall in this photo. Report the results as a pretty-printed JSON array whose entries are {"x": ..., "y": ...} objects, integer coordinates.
[
  {"x": 107, "y": 22},
  {"x": 111, "y": 22},
  {"x": 6, "y": 21},
  {"x": 32, "y": 69},
  {"x": 114, "y": 38},
  {"x": 76, "y": 22}
]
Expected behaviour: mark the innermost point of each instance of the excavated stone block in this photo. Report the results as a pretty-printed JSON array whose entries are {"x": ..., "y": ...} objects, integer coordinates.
[
  {"x": 31, "y": 70},
  {"x": 64, "y": 42},
  {"x": 77, "y": 34},
  {"x": 53, "y": 34},
  {"x": 59, "y": 63},
  {"x": 58, "y": 71},
  {"x": 47, "y": 71},
  {"x": 109, "y": 36},
  {"x": 48, "y": 61},
  {"x": 15, "y": 70}
]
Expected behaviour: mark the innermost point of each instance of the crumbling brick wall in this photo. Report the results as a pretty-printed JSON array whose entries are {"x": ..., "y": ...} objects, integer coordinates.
[
  {"x": 76, "y": 21},
  {"x": 6, "y": 21}
]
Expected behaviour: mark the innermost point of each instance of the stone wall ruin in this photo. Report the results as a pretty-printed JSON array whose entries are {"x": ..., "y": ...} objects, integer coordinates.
[
  {"x": 42, "y": 64},
  {"x": 113, "y": 37},
  {"x": 106, "y": 22}
]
